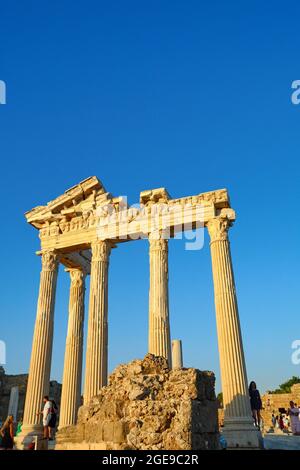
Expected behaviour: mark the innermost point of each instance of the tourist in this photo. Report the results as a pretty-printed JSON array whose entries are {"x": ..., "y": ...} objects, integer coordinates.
[
  {"x": 19, "y": 426},
  {"x": 255, "y": 402},
  {"x": 293, "y": 413},
  {"x": 273, "y": 419},
  {"x": 7, "y": 433},
  {"x": 46, "y": 415},
  {"x": 53, "y": 419},
  {"x": 281, "y": 423}
]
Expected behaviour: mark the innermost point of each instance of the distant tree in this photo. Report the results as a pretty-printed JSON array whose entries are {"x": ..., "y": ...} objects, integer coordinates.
[
  {"x": 286, "y": 386},
  {"x": 220, "y": 398}
]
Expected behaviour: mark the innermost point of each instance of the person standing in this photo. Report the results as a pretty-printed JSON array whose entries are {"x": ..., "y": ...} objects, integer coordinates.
[
  {"x": 281, "y": 423},
  {"x": 19, "y": 426},
  {"x": 293, "y": 413},
  {"x": 7, "y": 433},
  {"x": 273, "y": 419},
  {"x": 256, "y": 403},
  {"x": 53, "y": 420},
  {"x": 46, "y": 412}
]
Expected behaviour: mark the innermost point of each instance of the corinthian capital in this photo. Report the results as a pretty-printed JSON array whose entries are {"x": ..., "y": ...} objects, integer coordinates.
[
  {"x": 101, "y": 250},
  {"x": 50, "y": 260},
  {"x": 158, "y": 240},
  {"x": 218, "y": 228},
  {"x": 77, "y": 277}
]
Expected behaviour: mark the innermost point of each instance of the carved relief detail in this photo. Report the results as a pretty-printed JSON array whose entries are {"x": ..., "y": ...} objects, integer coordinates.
[
  {"x": 50, "y": 260},
  {"x": 101, "y": 251},
  {"x": 218, "y": 228}
]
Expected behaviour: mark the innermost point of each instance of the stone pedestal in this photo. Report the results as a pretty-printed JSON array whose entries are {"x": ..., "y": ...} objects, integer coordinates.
[
  {"x": 96, "y": 354},
  {"x": 177, "y": 362},
  {"x": 238, "y": 423},
  {"x": 71, "y": 386},
  {"x": 159, "y": 342},
  {"x": 40, "y": 363}
]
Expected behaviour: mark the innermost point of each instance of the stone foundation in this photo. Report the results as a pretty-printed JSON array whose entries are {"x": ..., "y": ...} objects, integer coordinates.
[{"x": 148, "y": 406}]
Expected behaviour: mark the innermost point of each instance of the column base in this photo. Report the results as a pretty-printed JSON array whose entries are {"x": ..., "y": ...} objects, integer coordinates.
[
  {"x": 240, "y": 433},
  {"x": 29, "y": 434}
]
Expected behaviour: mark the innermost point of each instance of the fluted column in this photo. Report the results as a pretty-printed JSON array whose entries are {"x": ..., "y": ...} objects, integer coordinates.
[
  {"x": 40, "y": 363},
  {"x": 177, "y": 362},
  {"x": 71, "y": 386},
  {"x": 159, "y": 341},
  {"x": 238, "y": 424},
  {"x": 97, "y": 339}
]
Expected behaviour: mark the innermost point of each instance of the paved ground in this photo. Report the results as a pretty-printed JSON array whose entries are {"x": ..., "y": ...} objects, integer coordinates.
[
  {"x": 281, "y": 442},
  {"x": 271, "y": 442}
]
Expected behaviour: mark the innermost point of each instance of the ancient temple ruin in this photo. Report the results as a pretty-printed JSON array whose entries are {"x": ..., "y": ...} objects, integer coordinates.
[{"x": 79, "y": 230}]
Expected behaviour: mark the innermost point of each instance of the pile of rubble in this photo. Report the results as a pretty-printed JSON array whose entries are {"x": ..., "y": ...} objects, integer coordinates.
[{"x": 148, "y": 406}]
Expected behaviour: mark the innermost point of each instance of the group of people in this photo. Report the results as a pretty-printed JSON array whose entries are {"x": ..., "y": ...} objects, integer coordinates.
[
  {"x": 49, "y": 414},
  {"x": 292, "y": 417}
]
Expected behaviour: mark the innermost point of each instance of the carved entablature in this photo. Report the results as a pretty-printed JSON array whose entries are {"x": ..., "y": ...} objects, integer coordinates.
[
  {"x": 76, "y": 210},
  {"x": 87, "y": 212},
  {"x": 153, "y": 196},
  {"x": 219, "y": 199}
]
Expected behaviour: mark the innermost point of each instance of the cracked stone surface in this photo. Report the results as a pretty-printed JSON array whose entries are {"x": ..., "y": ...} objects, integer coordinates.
[{"x": 148, "y": 406}]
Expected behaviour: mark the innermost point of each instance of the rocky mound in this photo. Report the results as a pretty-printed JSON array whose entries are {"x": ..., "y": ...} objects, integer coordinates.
[{"x": 148, "y": 406}]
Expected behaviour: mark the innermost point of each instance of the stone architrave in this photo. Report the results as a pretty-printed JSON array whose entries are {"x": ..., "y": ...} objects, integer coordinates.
[
  {"x": 238, "y": 423},
  {"x": 159, "y": 341},
  {"x": 71, "y": 386},
  {"x": 97, "y": 337}
]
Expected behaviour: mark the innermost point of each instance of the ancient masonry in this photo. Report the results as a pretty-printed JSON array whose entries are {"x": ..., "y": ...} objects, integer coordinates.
[
  {"x": 277, "y": 402},
  {"x": 148, "y": 406},
  {"x": 79, "y": 230},
  {"x": 7, "y": 382}
]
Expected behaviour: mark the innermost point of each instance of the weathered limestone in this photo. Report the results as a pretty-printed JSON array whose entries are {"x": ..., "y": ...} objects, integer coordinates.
[
  {"x": 238, "y": 424},
  {"x": 148, "y": 406},
  {"x": 71, "y": 388},
  {"x": 274, "y": 402},
  {"x": 7, "y": 382},
  {"x": 73, "y": 219},
  {"x": 13, "y": 402},
  {"x": 159, "y": 325},
  {"x": 40, "y": 364},
  {"x": 177, "y": 361},
  {"x": 87, "y": 218},
  {"x": 96, "y": 353}
]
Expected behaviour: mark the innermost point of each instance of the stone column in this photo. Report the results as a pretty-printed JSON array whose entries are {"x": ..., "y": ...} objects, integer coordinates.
[
  {"x": 40, "y": 363},
  {"x": 238, "y": 423},
  {"x": 96, "y": 353},
  {"x": 71, "y": 386},
  {"x": 159, "y": 341},
  {"x": 177, "y": 362}
]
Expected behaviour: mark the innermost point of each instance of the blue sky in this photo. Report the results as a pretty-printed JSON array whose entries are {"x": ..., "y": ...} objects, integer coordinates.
[{"x": 192, "y": 96}]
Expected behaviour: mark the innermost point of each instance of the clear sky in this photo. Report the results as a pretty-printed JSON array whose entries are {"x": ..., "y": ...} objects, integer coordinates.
[{"x": 193, "y": 96}]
